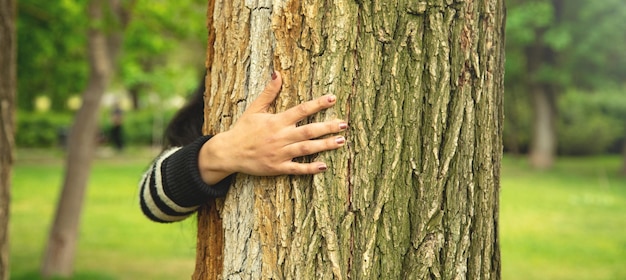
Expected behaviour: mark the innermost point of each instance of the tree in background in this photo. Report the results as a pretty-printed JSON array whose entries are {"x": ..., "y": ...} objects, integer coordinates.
[
  {"x": 107, "y": 21},
  {"x": 51, "y": 51},
  {"x": 161, "y": 54},
  {"x": 554, "y": 46},
  {"x": 414, "y": 195},
  {"x": 540, "y": 58},
  {"x": 8, "y": 80},
  {"x": 163, "y": 49}
]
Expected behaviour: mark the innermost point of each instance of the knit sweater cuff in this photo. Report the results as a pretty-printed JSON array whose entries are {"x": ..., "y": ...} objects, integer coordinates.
[{"x": 182, "y": 175}]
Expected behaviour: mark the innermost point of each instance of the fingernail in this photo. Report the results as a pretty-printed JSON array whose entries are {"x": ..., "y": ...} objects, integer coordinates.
[
  {"x": 274, "y": 76},
  {"x": 343, "y": 125},
  {"x": 332, "y": 98},
  {"x": 322, "y": 167},
  {"x": 340, "y": 140}
]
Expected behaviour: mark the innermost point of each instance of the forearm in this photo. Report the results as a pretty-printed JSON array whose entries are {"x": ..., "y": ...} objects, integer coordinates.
[{"x": 172, "y": 188}]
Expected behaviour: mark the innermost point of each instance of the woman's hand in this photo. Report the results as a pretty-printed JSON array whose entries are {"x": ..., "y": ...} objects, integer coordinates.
[{"x": 264, "y": 144}]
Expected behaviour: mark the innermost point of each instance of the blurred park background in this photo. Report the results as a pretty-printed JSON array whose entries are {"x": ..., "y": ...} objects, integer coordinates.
[{"x": 563, "y": 184}]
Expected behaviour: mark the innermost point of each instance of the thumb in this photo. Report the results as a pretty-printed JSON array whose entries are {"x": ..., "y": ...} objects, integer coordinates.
[{"x": 271, "y": 90}]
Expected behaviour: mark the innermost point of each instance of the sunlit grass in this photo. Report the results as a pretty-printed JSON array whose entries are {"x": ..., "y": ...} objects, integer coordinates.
[
  {"x": 116, "y": 241},
  {"x": 568, "y": 223}
]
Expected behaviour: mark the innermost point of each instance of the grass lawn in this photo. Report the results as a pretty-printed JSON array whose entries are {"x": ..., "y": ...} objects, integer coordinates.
[
  {"x": 569, "y": 223},
  {"x": 116, "y": 241}
]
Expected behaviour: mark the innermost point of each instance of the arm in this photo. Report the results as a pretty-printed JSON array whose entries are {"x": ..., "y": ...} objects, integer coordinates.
[
  {"x": 172, "y": 188},
  {"x": 260, "y": 143},
  {"x": 264, "y": 144}
]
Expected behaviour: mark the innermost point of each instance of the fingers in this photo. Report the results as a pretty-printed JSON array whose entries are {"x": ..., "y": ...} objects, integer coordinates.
[
  {"x": 271, "y": 90},
  {"x": 294, "y": 168},
  {"x": 306, "y": 109},
  {"x": 315, "y": 130},
  {"x": 310, "y": 147}
]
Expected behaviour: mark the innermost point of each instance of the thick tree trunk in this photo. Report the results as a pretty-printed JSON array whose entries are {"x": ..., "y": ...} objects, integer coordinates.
[
  {"x": 103, "y": 48},
  {"x": 8, "y": 85},
  {"x": 414, "y": 194}
]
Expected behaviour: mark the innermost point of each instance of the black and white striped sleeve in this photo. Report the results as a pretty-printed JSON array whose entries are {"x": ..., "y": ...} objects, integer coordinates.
[{"x": 172, "y": 188}]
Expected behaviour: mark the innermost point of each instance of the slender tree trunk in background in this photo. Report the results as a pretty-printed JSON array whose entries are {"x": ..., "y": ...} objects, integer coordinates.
[
  {"x": 414, "y": 194},
  {"x": 624, "y": 158},
  {"x": 8, "y": 87},
  {"x": 103, "y": 48},
  {"x": 543, "y": 144}
]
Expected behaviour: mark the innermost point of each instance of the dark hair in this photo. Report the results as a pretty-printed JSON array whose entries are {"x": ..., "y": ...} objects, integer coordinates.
[{"x": 186, "y": 125}]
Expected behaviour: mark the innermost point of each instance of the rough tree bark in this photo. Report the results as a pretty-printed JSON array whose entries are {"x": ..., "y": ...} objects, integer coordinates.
[
  {"x": 8, "y": 85},
  {"x": 103, "y": 48},
  {"x": 414, "y": 194}
]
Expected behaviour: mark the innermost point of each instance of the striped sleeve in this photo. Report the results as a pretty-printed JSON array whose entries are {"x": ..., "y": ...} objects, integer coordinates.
[{"x": 172, "y": 188}]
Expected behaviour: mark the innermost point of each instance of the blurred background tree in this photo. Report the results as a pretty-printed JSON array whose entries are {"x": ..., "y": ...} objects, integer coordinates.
[
  {"x": 107, "y": 22},
  {"x": 8, "y": 54},
  {"x": 161, "y": 61},
  {"x": 71, "y": 54},
  {"x": 565, "y": 68},
  {"x": 51, "y": 51},
  {"x": 163, "y": 51}
]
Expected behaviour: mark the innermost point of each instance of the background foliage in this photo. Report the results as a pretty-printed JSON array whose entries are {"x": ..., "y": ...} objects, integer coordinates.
[
  {"x": 164, "y": 46},
  {"x": 588, "y": 66},
  {"x": 162, "y": 57},
  {"x": 163, "y": 49},
  {"x": 51, "y": 51}
]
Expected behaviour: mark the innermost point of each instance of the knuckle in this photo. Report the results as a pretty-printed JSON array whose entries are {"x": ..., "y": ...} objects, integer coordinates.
[
  {"x": 302, "y": 110},
  {"x": 305, "y": 149},
  {"x": 293, "y": 169},
  {"x": 331, "y": 143},
  {"x": 320, "y": 102},
  {"x": 307, "y": 132},
  {"x": 332, "y": 127}
]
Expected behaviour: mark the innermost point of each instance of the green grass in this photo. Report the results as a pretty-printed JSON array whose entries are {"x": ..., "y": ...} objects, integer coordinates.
[
  {"x": 116, "y": 241},
  {"x": 569, "y": 223}
]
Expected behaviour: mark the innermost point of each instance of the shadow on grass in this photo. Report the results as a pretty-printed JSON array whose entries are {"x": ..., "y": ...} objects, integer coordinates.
[{"x": 83, "y": 275}]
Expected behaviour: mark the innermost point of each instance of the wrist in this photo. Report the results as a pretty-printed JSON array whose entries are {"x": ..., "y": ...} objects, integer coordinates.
[{"x": 214, "y": 162}]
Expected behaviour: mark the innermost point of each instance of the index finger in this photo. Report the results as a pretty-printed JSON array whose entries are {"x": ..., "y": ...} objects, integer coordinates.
[
  {"x": 267, "y": 96},
  {"x": 299, "y": 112}
]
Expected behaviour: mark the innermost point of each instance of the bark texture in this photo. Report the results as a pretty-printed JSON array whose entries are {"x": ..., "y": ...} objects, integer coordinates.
[
  {"x": 103, "y": 48},
  {"x": 8, "y": 86},
  {"x": 414, "y": 194}
]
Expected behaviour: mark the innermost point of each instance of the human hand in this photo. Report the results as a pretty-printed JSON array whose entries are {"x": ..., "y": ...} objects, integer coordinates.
[{"x": 264, "y": 144}]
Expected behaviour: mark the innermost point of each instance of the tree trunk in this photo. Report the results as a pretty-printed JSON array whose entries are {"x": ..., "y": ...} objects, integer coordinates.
[
  {"x": 543, "y": 144},
  {"x": 414, "y": 194},
  {"x": 624, "y": 158},
  {"x": 8, "y": 86},
  {"x": 103, "y": 48}
]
